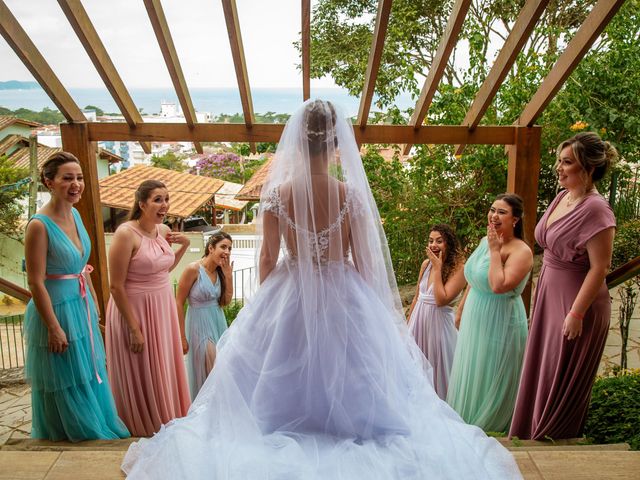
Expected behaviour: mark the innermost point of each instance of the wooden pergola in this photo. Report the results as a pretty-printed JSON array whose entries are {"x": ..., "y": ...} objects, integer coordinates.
[{"x": 522, "y": 139}]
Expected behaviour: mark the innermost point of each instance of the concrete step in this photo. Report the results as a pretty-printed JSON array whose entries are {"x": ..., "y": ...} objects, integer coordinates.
[
  {"x": 567, "y": 445},
  {"x": 534, "y": 465}
]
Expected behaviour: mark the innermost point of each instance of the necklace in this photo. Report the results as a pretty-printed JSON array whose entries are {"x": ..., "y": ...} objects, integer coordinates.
[{"x": 572, "y": 201}]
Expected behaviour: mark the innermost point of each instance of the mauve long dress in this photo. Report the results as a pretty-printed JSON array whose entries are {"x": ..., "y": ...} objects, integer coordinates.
[{"x": 558, "y": 374}]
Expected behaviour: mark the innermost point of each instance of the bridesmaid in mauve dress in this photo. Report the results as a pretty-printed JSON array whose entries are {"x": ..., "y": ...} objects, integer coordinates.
[
  {"x": 144, "y": 352},
  {"x": 431, "y": 317},
  {"x": 572, "y": 308}
]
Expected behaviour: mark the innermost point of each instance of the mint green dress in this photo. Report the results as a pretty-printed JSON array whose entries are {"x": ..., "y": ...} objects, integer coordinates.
[
  {"x": 491, "y": 342},
  {"x": 70, "y": 394}
]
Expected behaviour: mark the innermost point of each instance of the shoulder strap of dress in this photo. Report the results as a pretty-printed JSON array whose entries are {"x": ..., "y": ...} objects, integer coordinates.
[
  {"x": 46, "y": 221},
  {"x": 133, "y": 229}
]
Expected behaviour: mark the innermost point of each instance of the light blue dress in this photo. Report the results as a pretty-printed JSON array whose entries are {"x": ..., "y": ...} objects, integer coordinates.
[
  {"x": 205, "y": 323},
  {"x": 493, "y": 333},
  {"x": 68, "y": 401}
]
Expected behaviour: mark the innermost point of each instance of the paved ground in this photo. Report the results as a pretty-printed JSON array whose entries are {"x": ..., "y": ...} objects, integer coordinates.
[{"x": 97, "y": 464}]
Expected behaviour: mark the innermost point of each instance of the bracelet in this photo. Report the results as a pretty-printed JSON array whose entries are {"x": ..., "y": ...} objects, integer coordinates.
[{"x": 576, "y": 315}]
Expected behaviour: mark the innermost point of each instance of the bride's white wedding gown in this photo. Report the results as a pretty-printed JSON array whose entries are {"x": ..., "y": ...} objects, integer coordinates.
[{"x": 344, "y": 399}]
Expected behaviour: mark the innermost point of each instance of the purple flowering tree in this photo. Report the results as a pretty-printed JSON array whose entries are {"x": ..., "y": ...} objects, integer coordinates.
[{"x": 225, "y": 166}]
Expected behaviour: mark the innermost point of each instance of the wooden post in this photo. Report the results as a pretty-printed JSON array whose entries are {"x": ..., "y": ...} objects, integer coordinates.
[
  {"x": 75, "y": 140},
  {"x": 522, "y": 178},
  {"x": 33, "y": 171}
]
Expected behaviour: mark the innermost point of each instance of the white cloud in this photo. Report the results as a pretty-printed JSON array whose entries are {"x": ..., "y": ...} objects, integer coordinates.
[{"x": 269, "y": 28}]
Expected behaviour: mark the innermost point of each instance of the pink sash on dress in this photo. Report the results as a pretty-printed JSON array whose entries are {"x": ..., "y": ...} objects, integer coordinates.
[{"x": 83, "y": 293}]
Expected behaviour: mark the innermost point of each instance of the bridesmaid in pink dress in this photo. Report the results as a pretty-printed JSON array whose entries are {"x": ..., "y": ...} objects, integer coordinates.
[
  {"x": 572, "y": 308},
  {"x": 144, "y": 352}
]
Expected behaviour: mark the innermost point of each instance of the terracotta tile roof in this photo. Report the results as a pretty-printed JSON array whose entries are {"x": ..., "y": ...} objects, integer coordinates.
[
  {"x": 251, "y": 190},
  {"x": 8, "y": 120},
  {"x": 188, "y": 193},
  {"x": 20, "y": 157},
  {"x": 11, "y": 141},
  {"x": 226, "y": 197}
]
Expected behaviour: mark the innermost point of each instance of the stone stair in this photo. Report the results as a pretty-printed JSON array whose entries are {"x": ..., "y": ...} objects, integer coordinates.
[{"x": 31, "y": 459}]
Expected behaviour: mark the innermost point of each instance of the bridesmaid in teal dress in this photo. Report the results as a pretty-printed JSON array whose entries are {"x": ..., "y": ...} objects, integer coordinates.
[
  {"x": 208, "y": 286},
  {"x": 65, "y": 361},
  {"x": 493, "y": 322}
]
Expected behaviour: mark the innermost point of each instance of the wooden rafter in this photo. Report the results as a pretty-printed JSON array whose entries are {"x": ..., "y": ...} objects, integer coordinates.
[
  {"x": 577, "y": 48},
  {"x": 526, "y": 21},
  {"x": 449, "y": 40},
  {"x": 86, "y": 32},
  {"x": 239, "y": 62},
  {"x": 375, "y": 56},
  {"x": 168, "y": 49},
  {"x": 31, "y": 57},
  {"x": 229, "y": 132},
  {"x": 306, "y": 49}
]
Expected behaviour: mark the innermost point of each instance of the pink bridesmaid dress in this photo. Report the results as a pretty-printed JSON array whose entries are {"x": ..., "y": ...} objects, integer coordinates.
[{"x": 150, "y": 388}]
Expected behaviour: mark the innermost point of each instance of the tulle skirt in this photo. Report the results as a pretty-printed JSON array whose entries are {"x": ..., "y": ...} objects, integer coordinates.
[
  {"x": 68, "y": 402},
  {"x": 486, "y": 367},
  {"x": 205, "y": 325},
  {"x": 337, "y": 396}
]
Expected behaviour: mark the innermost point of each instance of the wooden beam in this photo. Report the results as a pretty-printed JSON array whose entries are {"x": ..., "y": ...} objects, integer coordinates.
[
  {"x": 75, "y": 139},
  {"x": 239, "y": 62},
  {"x": 228, "y": 132},
  {"x": 522, "y": 178},
  {"x": 31, "y": 57},
  {"x": 577, "y": 48},
  {"x": 373, "y": 65},
  {"x": 448, "y": 41},
  {"x": 86, "y": 32},
  {"x": 524, "y": 25},
  {"x": 306, "y": 49},
  {"x": 168, "y": 49}
]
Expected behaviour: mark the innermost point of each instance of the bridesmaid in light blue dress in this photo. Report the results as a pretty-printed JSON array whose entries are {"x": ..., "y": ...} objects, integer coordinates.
[
  {"x": 207, "y": 285},
  {"x": 65, "y": 361},
  {"x": 493, "y": 330}
]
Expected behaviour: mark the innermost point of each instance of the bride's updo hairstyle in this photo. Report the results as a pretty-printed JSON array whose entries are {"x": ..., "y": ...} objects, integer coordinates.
[{"x": 320, "y": 122}]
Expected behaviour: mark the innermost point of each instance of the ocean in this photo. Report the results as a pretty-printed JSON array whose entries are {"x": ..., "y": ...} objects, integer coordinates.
[{"x": 214, "y": 100}]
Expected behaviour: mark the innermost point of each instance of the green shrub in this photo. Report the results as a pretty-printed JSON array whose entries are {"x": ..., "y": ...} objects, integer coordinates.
[
  {"x": 231, "y": 311},
  {"x": 614, "y": 413},
  {"x": 625, "y": 245}
]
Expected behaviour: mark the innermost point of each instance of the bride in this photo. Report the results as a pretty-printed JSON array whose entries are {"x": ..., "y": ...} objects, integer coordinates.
[{"x": 318, "y": 377}]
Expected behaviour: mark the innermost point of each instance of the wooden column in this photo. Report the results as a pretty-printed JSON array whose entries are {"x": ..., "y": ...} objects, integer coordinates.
[
  {"x": 75, "y": 140},
  {"x": 522, "y": 178}
]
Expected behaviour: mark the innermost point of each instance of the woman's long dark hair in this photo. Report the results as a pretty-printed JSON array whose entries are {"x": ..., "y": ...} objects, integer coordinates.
[
  {"x": 143, "y": 192},
  {"x": 517, "y": 209},
  {"x": 453, "y": 255},
  {"x": 213, "y": 241}
]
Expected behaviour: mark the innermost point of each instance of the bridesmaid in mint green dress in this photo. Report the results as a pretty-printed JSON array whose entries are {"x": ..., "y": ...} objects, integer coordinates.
[
  {"x": 493, "y": 330},
  {"x": 65, "y": 361}
]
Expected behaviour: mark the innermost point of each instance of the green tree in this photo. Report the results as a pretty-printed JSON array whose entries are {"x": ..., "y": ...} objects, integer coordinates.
[
  {"x": 434, "y": 185},
  {"x": 98, "y": 110},
  {"x": 10, "y": 192},
  {"x": 170, "y": 161}
]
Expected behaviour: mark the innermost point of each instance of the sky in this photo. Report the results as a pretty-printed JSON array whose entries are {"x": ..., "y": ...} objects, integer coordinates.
[{"x": 269, "y": 28}]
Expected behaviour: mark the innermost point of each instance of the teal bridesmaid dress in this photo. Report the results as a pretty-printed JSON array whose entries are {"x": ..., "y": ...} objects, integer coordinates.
[
  {"x": 70, "y": 393},
  {"x": 488, "y": 359},
  {"x": 205, "y": 324}
]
